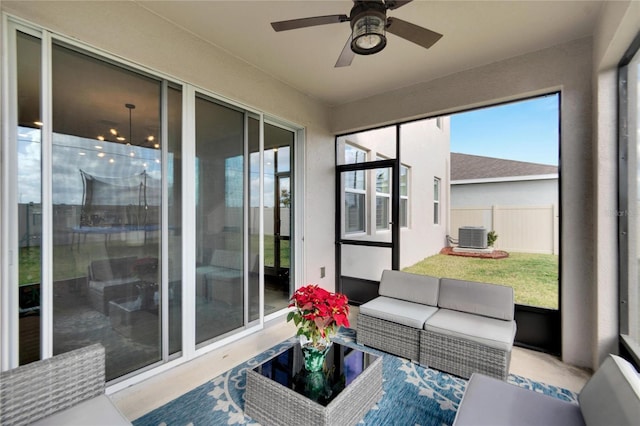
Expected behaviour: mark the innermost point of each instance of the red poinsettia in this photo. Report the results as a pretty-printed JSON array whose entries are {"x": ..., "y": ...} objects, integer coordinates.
[{"x": 318, "y": 312}]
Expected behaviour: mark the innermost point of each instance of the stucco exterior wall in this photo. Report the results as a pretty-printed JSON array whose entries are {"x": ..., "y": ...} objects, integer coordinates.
[
  {"x": 567, "y": 68},
  {"x": 427, "y": 153}
]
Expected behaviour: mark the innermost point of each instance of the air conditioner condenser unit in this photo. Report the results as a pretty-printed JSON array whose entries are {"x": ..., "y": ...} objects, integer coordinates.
[{"x": 472, "y": 237}]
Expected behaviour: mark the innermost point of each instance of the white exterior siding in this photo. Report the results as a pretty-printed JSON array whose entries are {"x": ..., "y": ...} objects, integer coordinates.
[{"x": 516, "y": 192}]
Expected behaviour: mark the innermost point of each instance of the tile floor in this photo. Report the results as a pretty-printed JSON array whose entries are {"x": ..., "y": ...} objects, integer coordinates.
[{"x": 139, "y": 399}]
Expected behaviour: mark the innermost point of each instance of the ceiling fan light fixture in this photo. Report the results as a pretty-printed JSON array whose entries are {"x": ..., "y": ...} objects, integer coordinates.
[{"x": 368, "y": 33}]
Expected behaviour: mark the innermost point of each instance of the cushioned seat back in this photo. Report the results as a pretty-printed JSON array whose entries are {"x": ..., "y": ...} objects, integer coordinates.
[
  {"x": 412, "y": 287},
  {"x": 111, "y": 269},
  {"x": 612, "y": 394},
  {"x": 489, "y": 300},
  {"x": 227, "y": 259}
]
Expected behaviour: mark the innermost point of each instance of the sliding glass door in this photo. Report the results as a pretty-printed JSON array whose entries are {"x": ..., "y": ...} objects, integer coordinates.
[
  {"x": 106, "y": 194},
  {"x": 143, "y": 214},
  {"x": 220, "y": 135},
  {"x": 278, "y": 198}
]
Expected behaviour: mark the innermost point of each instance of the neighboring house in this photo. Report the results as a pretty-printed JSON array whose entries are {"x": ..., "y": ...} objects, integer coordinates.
[{"x": 517, "y": 199}]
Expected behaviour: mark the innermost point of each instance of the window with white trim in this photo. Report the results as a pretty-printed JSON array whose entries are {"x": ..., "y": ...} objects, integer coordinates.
[
  {"x": 404, "y": 196},
  {"x": 383, "y": 198},
  {"x": 436, "y": 201},
  {"x": 355, "y": 188}
]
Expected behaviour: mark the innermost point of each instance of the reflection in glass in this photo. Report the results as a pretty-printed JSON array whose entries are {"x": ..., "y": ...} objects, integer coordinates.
[
  {"x": 174, "y": 183},
  {"x": 29, "y": 196},
  {"x": 219, "y": 219},
  {"x": 278, "y": 202},
  {"x": 106, "y": 192},
  {"x": 254, "y": 217}
]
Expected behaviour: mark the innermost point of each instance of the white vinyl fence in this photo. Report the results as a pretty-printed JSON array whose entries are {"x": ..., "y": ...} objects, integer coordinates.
[{"x": 527, "y": 229}]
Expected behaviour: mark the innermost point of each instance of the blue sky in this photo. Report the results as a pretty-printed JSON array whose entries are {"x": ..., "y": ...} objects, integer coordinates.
[{"x": 523, "y": 131}]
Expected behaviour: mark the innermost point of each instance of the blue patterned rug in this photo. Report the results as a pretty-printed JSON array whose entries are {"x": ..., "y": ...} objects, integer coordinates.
[{"x": 413, "y": 395}]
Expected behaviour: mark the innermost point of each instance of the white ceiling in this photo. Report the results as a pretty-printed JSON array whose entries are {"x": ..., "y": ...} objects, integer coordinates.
[{"x": 474, "y": 33}]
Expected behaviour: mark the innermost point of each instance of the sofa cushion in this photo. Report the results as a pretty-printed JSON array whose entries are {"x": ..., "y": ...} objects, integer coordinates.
[
  {"x": 612, "y": 394},
  {"x": 412, "y": 287},
  {"x": 491, "y": 332},
  {"x": 101, "y": 285},
  {"x": 111, "y": 269},
  {"x": 218, "y": 273},
  {"x": 492, "y": 402},
  {"x": 398, "y": 311},
  {"x": 98, "y": 411},
  {"x": 490, "y": 300}
]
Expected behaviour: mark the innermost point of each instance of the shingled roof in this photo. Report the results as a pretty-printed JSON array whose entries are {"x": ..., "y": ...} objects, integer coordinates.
[{"x": 465, "y": 167}]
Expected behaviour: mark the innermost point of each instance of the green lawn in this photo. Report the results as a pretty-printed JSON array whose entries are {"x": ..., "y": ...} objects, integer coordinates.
[{"x": 534, "y": 277}]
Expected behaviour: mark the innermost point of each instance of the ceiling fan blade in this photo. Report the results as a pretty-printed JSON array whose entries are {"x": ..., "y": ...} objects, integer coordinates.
[
  {"x": 414, "y": 33},
  {"x": 346, "y": 56},
  {"x": 293, "y": 24},
  {"x": 394, "y": 4}
]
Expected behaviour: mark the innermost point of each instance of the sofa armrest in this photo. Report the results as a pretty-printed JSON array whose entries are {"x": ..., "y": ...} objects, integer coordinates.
[
  {"x": 492, "y": 402},
  {"x": 33, "y": 391},
  {"x": 612, "y": 394}
]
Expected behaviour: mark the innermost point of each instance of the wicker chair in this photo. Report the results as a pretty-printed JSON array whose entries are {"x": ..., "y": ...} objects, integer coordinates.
[
  {"x": 64, "y": 389},
  {"x": 392, "y": 322},
  {"x": 472, "y": 332}
]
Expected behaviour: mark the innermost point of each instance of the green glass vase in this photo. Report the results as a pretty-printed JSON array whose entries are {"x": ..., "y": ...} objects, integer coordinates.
[{"x": 314, "y": 356}]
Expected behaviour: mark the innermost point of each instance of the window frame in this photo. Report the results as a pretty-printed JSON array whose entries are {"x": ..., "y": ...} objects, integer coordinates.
[{"x": 628, "y": 238}]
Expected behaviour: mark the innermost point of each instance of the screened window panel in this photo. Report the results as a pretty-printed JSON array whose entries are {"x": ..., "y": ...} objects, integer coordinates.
[
  {"x": 354, "y": 212},
  {"x": 382, "y": 212}
]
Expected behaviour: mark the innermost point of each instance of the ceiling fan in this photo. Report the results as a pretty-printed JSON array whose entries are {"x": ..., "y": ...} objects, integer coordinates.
[{"x": 369, "y": 22}]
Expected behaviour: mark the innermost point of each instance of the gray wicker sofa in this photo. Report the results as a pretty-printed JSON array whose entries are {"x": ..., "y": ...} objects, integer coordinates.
[
  {"x": 110, "y": 279},
  {"x": 456, "y": 326},
  {"x": 67, "y": 389},
  {"x": 610, "y": 397}
]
